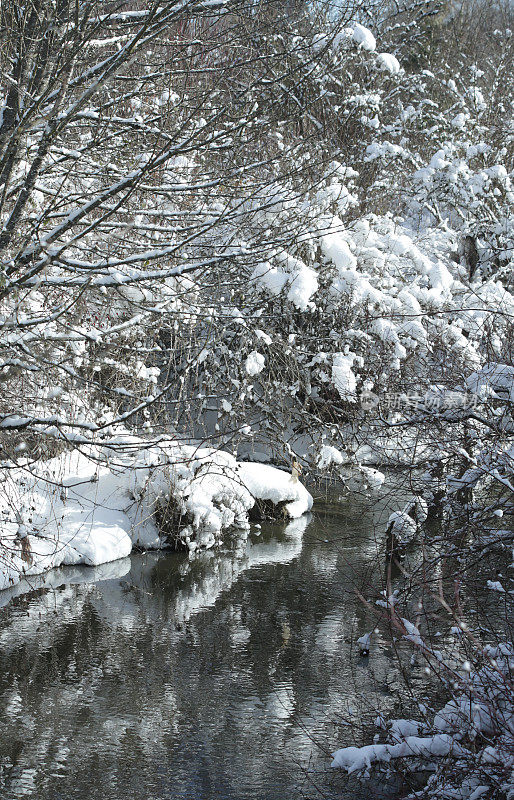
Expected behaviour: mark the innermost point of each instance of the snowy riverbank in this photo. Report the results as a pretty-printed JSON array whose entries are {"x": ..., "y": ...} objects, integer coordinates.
[{"x": 94, "y": 506}]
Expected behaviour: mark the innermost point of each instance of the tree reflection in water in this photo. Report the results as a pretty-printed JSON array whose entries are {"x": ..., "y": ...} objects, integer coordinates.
[{"x": 222, "y": 677}]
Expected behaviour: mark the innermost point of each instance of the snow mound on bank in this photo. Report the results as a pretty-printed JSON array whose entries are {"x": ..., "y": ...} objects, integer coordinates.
[
  {"x": 267, "y": 483},
  {"x": 93, "y": 507}
]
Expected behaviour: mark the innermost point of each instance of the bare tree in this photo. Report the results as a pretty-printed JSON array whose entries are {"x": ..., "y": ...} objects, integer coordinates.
[{"x": 134, "y": 147}]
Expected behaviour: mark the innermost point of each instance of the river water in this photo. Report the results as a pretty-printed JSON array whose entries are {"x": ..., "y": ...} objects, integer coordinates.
[{"x": 228, "y": 677}]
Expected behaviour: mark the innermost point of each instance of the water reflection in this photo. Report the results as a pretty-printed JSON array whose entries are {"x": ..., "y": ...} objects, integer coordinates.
[{"x": 221, "y": 678}]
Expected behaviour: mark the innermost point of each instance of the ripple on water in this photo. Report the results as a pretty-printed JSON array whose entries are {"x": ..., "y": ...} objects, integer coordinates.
[{"x": 222, "y": 678}]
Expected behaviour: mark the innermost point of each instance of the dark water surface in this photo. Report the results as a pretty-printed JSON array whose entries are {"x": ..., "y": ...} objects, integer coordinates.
[{"x": 223, "y": 678}]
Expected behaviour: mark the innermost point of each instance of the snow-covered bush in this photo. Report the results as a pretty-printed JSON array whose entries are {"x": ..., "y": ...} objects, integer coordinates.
[
  {"x": 459, "y": 594},
  {"x": 294, "y": 287}
]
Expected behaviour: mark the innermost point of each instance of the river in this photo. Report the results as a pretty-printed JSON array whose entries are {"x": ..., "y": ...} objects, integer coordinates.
[{"x": 227, "y": 677}]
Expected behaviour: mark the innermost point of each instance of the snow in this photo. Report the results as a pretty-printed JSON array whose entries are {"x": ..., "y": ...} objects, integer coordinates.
[
  {"x": 403, "y": 527},
  {"x": 343, "y": 377},
  {"x": 377, "y": 303},
  {"x": 388, "y": 63},
  {"x": 480, "y": 709},
  {"x": 329, "y": 455},
  {"x": 413, "y": 634},
  {"x": 292, "y": 274},
  {"x": 363, "y": 37},
  {"x": 493, "y": 380},
  {"x": 496, "y": 586},
  {"x": 263, "y": 336},
  {"x": 460, "y": 120},
  {"x": 373, "y": 477},
  {"x": 270, "y": 277},
  {"x": 401, "y": 728},
  {"x": 303, "y": 286},
  {"x": 336, "y": 248},
  {"x": 268, "y": 483},
  {"x": 254, "y": 363},
  {"x": 92, "y": 507},
  {"x": 360, "y": 759},
  {"x": 383, "y": 149}
]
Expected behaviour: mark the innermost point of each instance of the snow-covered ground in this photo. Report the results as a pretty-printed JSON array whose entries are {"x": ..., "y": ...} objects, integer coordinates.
[{"x": 93, "y": 506}]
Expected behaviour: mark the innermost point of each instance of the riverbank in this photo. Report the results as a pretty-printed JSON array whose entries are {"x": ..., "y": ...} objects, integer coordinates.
[{"x": 95, "y": 505}]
